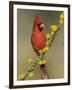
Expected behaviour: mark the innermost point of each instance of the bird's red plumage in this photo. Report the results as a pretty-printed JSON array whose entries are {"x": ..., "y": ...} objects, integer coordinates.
[
  {"x": 38, "y": 37},
  {"x": 38, "y": 42}
]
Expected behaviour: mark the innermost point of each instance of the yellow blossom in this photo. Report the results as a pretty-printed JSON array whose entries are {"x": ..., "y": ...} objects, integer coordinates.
[
  {"x": 30, "y": 60},
  {"x": 62, "y": 16},
  {"x": 41, "y": 62},
  {"x": 32, "y": 67},
  {"x": 40, "y": 51},
  {"x": 21, "y": 76},
  {"x": 31, "y": 74},
  {"x": 54, "y": 28},
  {"x": 47, "y": 36},
  {"x": 52, "y": 33},
  {"x": 61, "y": 21},
  {"x": 45, "y": 49}
]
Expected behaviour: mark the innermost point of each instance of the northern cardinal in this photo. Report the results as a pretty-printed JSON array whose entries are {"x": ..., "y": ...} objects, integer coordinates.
[{"x": 38, "y": 41}]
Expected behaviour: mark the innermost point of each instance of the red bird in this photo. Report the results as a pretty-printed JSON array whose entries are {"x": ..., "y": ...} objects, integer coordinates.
[
  {"x": 38, "y": 35},
  {"x": 38, "y": 41}
]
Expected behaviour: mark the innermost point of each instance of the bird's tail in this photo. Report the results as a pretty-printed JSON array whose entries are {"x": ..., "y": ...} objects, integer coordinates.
[{"x": 44, "y": 71}]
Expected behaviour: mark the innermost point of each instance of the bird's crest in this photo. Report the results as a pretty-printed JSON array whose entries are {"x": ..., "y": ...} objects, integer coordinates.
[{"x": 37, "y": 19}]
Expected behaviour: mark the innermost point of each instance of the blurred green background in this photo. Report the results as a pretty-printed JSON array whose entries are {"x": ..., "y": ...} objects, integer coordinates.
[{"x": 55, "y": 55}]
